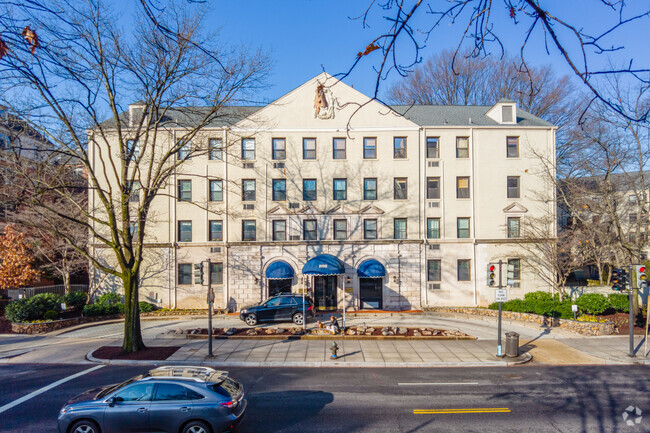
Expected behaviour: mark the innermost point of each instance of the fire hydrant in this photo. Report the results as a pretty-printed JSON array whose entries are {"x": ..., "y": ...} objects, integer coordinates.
[{"x": 334, "y": 348}]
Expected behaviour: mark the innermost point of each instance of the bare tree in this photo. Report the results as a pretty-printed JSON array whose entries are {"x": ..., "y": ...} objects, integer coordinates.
[
  {"x": 410, "y": 24},
  {"x": 74, "y": 88}
]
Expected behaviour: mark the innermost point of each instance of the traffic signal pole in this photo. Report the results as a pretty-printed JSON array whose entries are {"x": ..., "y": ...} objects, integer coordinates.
[
  {"x": 210, "y": 304},
  {"x": 630, "y": 298},
  {"x": 499, "y": 346}
]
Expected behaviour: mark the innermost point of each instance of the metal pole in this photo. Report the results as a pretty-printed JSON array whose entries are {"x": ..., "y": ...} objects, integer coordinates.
[
  {"x": 304, "y": 313},
  {"x": 210, "y": 302},
  {"x": 499, "y": 346},
  {"x": 345, "y": 300},
  {"x": 631, "y": 324}
]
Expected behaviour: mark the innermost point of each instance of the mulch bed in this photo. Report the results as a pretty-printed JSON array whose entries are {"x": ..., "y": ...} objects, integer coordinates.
[
  {"x": 149, "y": 354},
  {"x": 622, "y": 320},
  {"x": 5, "y": 326},
  {"x": 376, "y": 331}
]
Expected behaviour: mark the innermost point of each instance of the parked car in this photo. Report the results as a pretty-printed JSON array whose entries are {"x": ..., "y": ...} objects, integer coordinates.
[
  {"x": 167, "y": 399},
  {"x": 280, "y": 308}
]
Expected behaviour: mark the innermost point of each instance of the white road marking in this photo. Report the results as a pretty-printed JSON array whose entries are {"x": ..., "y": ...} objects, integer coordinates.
[
  {"x": 435, "y": 383},
  {"x": 31, "y": 395}
]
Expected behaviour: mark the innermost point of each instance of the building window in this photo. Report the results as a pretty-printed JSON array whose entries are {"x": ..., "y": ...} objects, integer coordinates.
[
  {"x": 309, "y": 230},
  {"x": 433, "y": 228},
  {"x": 462, "y": 228},
  {"x": 185, "y": 231},
  {"x": 248, "y": 149},
  {"x": 216, "y": 149},
  {"x": 135, "y": 192},
  {"x": 338, "y": 148},
  {"x": 369, "y": 148},
  {"x": 133, "y": 146},
  {"x": 340, "y": 230},
  {"x": 184, "y": 190},
  {"x": 464, "y": 270},
  {"x": 433, "y": 151},
  {"x": 340, "y": 189},
  {"x": 248, "y": 189},
  {"x": 370, "y": 188},
  {"x": 370, "y": 229},
  {"x": 308, "y": 148},
  {"x": 513, "y": 186},
  {"x": 279, "y": 230},
  {"x": 183, "y": 149},
  {"x": 279, "y": 189},
  {"x": 184, "y": 273},
  {"x": 216, "y": 231},
  {"x": 512, "y": 147},
  {"x": 632, "y": 218},
  {"x": 399, "y": 228},
  {"x": 216, "y": 273},
  {"x": 513, "y": 227},
  {"x": 506, "y": 113},
  {"x": 400, "y": 191},
  {"x": 462, "y": 187},
  {"x": 516, "y": 264},
  {"x": 309, "y": 189},
  {"x": 248, "y": 230},
  {"x": 216, "y": 190},
  {"x": 433, "y": 188},
  {"x": 433, "y": 270},
  {"x": 462, "y": 147},
  {"x": 279, "y": 149},
  {"x": 133, "y": 227},
  {"x": 399, "y": 147}
]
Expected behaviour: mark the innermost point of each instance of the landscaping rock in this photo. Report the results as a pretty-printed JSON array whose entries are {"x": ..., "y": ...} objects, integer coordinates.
[
  {"x": 251, "y": 332},
  {"x": 427, "y": 333},
  {"x": 402, "y": 331},
  {"x": 416, "y": 333},
  {"x": 352, "y": 332},
  {"x": 230, "y": 331},
  {"x": 280, "y": 331}
]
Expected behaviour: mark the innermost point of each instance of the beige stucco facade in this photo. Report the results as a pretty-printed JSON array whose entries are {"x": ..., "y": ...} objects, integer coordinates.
[{"x": 344, "y": 225}]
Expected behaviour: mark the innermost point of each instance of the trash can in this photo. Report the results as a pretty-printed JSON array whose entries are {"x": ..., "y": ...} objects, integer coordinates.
[{"x": 512, "y": 344}]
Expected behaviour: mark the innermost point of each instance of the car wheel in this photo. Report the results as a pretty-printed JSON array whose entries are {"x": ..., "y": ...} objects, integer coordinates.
[
  {"x": 298, "y": 318},
  {"x": 196, "y": 427},
  {"x": 251, "y": 320},
  {"x": 85, "y": 426}
]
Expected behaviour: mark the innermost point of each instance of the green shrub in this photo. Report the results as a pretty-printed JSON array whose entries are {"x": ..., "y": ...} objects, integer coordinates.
[
  {"x": 34, "y": 308},
  {"x": 109, "y": 298},
  {"x": 592, "y": 303},
  {"x": 50, "y": 315},
  {"x": 75, "y": 299},
  {"x": 539, "y": 296},
  {"x": 93, "y": 310},
  {"x": 146, "y": 307},
  {"x": 516, "y": 305},
  {"x": 619, "y": 302},
  {"x": 18, "y": 311}
]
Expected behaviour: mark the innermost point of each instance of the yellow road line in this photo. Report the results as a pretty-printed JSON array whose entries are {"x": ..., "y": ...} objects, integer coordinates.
[{"x": 467, "y": 410}]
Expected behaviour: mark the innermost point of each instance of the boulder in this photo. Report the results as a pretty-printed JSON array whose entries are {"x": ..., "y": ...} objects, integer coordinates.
[
  {"x": 230, "y": 331},
  {"x": 251, "y": 332},
  {"x": 416, "y": 333},
  {"x": 351, "y": 332},
  {"x": 427, "y": 333},
  {"x": 280, "y": 331},
  {"x": 402, "y": 331}
]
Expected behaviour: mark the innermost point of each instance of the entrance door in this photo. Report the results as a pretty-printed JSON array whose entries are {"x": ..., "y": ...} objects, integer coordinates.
[
  {"x": 277, "y": 287},
  {"x": 370, "y": 293},
  {"x": 325, "y": 293}
]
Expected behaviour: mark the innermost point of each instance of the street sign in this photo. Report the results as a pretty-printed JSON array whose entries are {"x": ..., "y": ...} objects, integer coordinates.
[
  {"x": 500, "y": 295},
  {"x": 574, "y": 308}
]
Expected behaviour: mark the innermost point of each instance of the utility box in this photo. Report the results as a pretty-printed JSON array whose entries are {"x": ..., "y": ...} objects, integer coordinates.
[{"x": 512, "y": 344}]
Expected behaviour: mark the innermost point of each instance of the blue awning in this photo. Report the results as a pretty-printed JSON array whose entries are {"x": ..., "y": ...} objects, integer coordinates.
[
  {"x": 371, "y": 269},
  {"x": 279, "y": 271},
  {"x": 324, "y": 264}
]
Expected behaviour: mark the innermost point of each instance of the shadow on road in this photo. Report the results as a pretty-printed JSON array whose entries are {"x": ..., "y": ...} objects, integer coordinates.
[{"x": 291, "y": 407}]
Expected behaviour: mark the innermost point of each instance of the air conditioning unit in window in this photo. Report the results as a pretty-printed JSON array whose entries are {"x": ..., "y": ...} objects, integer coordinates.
[
  {"x": 433, "y": 286},
  {"x": 434, "y": 164},
  {"x": 215, "y": 249},
  {"x": 434, "y": 204},
  {"x": 278, "y": 165},
  {"x": 294, "y": 237},
  {"x": 249, "y": 206},
  {"x": 294, "y": 205},
  {"x": 249, "y": 165},
  {"x": 434, "y": 246},
  {"x": 516, "y": 285}
]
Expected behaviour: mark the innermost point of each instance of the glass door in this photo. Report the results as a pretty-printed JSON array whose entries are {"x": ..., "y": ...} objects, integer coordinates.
[{"x": 325, "y": 293}]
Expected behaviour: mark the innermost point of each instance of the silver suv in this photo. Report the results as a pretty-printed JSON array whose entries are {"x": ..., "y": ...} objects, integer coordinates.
[{"x": 166, "y": 399}]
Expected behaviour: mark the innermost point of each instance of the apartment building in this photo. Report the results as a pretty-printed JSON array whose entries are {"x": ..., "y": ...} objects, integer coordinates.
[{"x": 362, "y": 205}]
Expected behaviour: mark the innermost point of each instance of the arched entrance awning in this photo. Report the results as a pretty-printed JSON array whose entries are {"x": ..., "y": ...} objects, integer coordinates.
[
  {"x": 371, "y": 269},
  {"x": 279, "y": 271},
  {"x": 324, "y": 264}
]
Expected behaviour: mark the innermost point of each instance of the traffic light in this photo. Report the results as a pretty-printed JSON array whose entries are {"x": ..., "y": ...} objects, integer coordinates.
[
  {"x": 491, "y": 274},
  {"x": 511, "y": 275},
  {"x": 640, "y": 275},
  {"x": 198, "y": 273},
  {"x": 619, "y": 279}
]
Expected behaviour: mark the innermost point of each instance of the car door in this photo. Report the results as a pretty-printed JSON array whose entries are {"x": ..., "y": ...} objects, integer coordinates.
[
  {"x": 129, "y": 410},
  {"x": 286, "y": 308},
  {"x": 170, "y": 408},
  {"x": 268, "y": 309}
]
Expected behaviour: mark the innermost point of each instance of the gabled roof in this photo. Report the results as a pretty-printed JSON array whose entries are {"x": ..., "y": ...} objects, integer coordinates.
[{"x": 460, "y": 115}]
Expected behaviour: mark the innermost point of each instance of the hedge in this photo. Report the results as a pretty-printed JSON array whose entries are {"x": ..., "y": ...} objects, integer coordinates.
[
  {"x": 34, "y": 308},
  {"x": 545, "y": 304}
]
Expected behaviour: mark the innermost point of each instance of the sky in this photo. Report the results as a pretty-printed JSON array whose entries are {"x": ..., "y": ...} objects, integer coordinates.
[{"x": 305, "y": 37}]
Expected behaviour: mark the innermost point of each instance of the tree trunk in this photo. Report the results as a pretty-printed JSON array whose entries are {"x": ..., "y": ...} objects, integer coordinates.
[
  {"x": 66, "y": 282},
  {"x": 132, "y": 335}
]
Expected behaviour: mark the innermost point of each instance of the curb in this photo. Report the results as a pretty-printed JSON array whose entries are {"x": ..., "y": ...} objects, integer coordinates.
[{"x": 326, "y": 337}]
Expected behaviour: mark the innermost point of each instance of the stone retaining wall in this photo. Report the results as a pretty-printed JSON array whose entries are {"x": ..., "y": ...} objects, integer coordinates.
[
  {"x": 583, "y": 328},
  {"x": 43, "y": 327}
]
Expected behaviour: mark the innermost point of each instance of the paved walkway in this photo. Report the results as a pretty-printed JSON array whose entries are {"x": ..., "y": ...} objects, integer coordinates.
[{"x": 546, "y": 346}]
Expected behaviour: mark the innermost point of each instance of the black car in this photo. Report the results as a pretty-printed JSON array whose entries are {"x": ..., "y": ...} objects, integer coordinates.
[
  {"x": 281, "y": 308},
  {"x": 166, "y": 399}
]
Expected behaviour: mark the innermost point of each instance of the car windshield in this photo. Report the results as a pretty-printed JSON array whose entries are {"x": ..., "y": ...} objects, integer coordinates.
[{"x": 110, "y": 389}]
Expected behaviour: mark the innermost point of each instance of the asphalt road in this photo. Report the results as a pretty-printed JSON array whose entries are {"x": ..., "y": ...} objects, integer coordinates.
[{"x": 509, "y": 399}]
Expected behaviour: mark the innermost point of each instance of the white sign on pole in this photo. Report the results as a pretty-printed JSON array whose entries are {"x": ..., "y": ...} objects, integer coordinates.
[
  {"x": 500, "y": 295},
  {"x": 574, "y": 308}
]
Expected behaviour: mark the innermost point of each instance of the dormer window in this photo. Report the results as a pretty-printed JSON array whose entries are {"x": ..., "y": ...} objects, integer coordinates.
[
  {"x": 503, "y": 112},
  {"x": 506, "y": 114}
]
